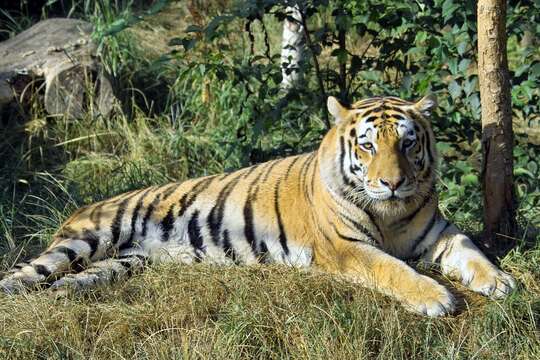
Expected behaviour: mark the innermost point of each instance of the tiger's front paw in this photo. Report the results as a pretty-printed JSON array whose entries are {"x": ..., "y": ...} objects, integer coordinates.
[
  {"x": 484, "y": 278},
  {"x": 431, "y": 299}
]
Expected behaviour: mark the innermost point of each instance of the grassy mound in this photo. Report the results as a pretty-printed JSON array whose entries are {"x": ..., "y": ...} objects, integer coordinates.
[{"x": 172, "y": 311}]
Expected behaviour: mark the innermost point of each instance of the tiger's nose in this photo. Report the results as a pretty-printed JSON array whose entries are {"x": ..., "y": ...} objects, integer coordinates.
[{"x": 392, "y": 184}]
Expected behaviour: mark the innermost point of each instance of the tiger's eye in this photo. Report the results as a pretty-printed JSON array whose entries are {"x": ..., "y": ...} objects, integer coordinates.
[
  {"x": 407, "y": 143},
  {"x": 367, "y": 146}
]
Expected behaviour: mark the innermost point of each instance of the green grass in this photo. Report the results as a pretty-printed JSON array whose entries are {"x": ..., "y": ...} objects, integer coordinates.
[{"x": 166, "y": 131}]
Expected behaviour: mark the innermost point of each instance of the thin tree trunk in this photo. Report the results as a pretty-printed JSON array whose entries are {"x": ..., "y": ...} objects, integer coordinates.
[
  {"x": 342, "y": 67},
  {"x": 497, "y": 136},
  {"x": 292, "y": 48}
]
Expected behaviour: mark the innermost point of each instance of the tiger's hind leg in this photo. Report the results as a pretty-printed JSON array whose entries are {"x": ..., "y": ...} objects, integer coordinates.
[
  {"x": 102, "y": 272},
  {"x": 64, "y": 255}
]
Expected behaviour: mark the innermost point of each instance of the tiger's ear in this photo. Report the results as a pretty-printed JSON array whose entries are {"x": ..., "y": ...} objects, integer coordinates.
[
  {"x": 338, "y": 111},
  {"x": 426, "y": 105}
]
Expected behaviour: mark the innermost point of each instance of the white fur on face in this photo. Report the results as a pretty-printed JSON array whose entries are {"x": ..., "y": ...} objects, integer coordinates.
[{"x": 367, "y": 133}]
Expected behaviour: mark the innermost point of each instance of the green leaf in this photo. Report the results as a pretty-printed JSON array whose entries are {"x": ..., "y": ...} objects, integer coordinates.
[
  {"x": 448, "y": 9},
  {"x": 193, "y": 28},
  {"x": 535, "y": 70},
  {"x": 522, "y": 171},
  {"x": 453, "y": 66},
  {"x": 533, "y": 167},
  {"x": 469, "y": 179},
  {"x": 470, "y": 85},
  {"x": 454, "y": 89},
  {"x": 462, "y": 48},
  {"x": 464, "y": 65},
  {"x": 340, "y": 54}
]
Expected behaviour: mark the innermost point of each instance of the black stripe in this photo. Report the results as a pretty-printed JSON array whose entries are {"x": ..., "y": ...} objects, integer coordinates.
[
  {"x": 249, "y": 229},
  {"x": 263, "y": 253},
  {"x": 194, "y": 234},
  {"x": 315, "y": 166},
  {"x": 428, "y": 147},
  {"x": 398, "y": 117},
  {"x": 189, "y": 197},
  {"x": 342, "y": 161},
  {"x": 95, "y": 215},
  {"x": 393, "y": 99},
  {"x": 169, "y": 190},
  {"x": 92, "y": 240},
  {"x": 228, "y": 248},
  {"x": 394, "y": 108},
  {"x": 269, "y": 170},
  {"x": 359, "y": 227},
  {"x": 407, "y": 219},
  {"x": 117, "y": 222},
  {"x": 128, "y": 196},
  {"x": 372, "y": 110},
  {"x": 127, "y": 261},
  {"x": 215, "y": 217},
  {"x": 67, "y": 232},
  {"x": 76, "y": 262},
  {"x": 370, "y": 119},
  {"x": 149, "y": 210},
  {"x": 70, "y": 253},
  {"x": 372, "y": 219},
  {"x": 367, "y": 103},
  {"x": 425, "y": 231},
  {"x": 282, "y": 236},
  {"x": 289, "y": 168},
  {"x": 352, "y": 167},
  {"x": 422, "y": 149},
  {"x": 42, "y": 270},
  {"x": 134, "y": 217},
  {"x": 167, "y": 224},
  {"x": 447, "y": 249},
  {"x": 305, "y": 169},
  {"x": 348, "y": 238},
  {"x": 250, "y": 170},
  {"x": 126, "y": 264}
]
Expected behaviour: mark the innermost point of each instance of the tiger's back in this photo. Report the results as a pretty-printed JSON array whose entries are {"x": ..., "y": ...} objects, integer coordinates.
[{"x": 236, "y": 218}]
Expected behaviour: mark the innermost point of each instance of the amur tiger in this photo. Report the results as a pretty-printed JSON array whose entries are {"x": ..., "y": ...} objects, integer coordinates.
[{"x": 358, "y": 207}]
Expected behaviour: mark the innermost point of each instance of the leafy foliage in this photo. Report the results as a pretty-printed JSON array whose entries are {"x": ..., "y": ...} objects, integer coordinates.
[{"x": 391, "y": 48}]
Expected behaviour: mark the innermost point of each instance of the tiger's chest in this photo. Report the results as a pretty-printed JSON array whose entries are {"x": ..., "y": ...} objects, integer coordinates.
[{"x": 409, "y": 241}]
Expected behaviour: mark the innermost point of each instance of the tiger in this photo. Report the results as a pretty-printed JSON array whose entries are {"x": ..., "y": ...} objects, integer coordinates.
[{"x": 363, "y": 208}]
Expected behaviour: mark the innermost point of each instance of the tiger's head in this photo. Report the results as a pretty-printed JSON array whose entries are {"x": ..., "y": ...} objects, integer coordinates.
[{"x": 385, "y": 150}]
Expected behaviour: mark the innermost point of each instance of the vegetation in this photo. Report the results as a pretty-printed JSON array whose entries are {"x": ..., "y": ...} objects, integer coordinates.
[{"x": 201, "y": 97}]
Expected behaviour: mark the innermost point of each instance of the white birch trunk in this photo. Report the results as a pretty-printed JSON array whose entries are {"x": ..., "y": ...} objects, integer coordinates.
[{"x": 292, "y": 48}]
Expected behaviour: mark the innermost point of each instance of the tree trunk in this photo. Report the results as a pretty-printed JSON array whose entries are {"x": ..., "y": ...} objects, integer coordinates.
[
  {"x": 60, "y": 53},
  {"x": 497, "y": 136},
  {"x": 292, "y": 48}
]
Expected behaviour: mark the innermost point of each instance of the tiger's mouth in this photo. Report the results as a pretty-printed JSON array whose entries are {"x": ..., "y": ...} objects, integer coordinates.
[{"x": 389, "y": 195}]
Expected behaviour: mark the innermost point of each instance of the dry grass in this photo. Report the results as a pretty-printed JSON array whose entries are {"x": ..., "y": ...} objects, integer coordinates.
[{"x": 201, "y": 311}]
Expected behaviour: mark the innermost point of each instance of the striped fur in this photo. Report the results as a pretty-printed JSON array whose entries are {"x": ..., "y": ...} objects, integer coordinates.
[{"x": 358, "y": 207}]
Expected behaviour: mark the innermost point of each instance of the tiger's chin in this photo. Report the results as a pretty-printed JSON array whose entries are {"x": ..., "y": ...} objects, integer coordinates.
[
  {"x": 392, "y": 204},
  {"x": 390, "y": 207}
]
